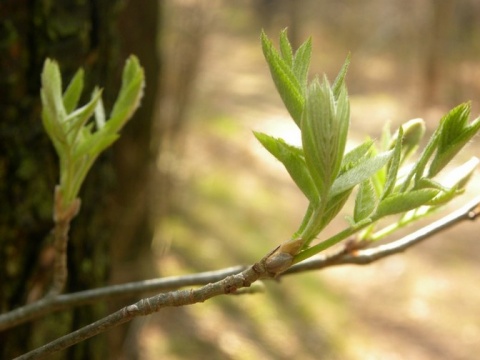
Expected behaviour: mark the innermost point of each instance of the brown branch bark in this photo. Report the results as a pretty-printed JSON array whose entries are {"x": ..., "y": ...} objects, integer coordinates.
[
  {"x": 62, "y": 216},
  {"x": 231, "y": 280}
]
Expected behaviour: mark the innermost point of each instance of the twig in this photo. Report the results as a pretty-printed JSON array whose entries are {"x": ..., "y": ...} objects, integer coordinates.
[
  {"x": 245, "y": 278},
  {"x": 62, "y": 216},
  {"x": 66, "y": 301},
  {"x": 153, "y": 304}
]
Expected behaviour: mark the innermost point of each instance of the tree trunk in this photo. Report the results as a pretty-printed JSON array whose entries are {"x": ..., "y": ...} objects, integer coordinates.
[{"x": 75, "y": 34}]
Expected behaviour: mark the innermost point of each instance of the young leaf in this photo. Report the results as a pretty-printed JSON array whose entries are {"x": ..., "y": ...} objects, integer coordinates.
[
  {"x": 51, "y": 92},
  {"x": 394, "y": 164},
  {"x": 293, "y": 160},
  {"x": 286, "y": 49},
  {"x": 301, "y": 63},
  {"x": 413, "y": 131},
  {"x": 363, "y": 171},
  {"x": 324, "y": 132},
  {"x": 53, "y": 111},
  {"x": 286, "y": 82},
  {"x": 340, "y": 79},
  {"x": 71, "y": 96},
  {"x": 444, "y": 197},
  {"x": 77, "y": 119},
  {"x": 131, "y": 92},
  {"x": 355, "y": 155},
  {"x": 402, "y": 202},
  {"x": 455, "y": 133},
  {"x": 365, "y": 201},
  {"x": 418, "y": 169}
]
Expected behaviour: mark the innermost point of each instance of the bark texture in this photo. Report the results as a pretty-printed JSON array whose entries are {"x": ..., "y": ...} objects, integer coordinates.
[{"x": 77, "y": 34}]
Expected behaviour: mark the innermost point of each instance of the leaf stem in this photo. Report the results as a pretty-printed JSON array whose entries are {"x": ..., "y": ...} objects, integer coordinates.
[{"x": 335, "y": 239}]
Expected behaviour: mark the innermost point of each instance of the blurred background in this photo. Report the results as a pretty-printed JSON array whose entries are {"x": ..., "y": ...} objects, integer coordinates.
[
  {"x": 189, "y": 174},
  {"x": 231, "y": 202}
]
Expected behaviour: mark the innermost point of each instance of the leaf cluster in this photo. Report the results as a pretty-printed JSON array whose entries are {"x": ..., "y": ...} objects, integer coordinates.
[
  {"x": 78, "y": 141},
  {"x": 327, "y": 174}
]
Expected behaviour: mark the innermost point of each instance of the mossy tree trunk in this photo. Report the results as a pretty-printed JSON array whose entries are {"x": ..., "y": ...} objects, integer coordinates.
[{"x": 77, "y": 34}]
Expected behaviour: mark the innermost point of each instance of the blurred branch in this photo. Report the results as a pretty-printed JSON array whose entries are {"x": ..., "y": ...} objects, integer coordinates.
[{"x": 225, "y": 281}]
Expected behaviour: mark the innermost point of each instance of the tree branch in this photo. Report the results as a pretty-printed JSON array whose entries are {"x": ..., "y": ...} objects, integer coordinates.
[
  {"x": 66, "y": 301},
  {"x": 231, "y": 279}
]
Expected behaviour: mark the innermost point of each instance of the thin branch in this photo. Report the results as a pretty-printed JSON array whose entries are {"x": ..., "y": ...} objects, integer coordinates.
[
  {"x": 232, "y": 282},
  {"x": 66, "y": 301},
  {"x": 62, "y": 216},
  {"x": 61, "y": 302},
  {"x": 153, "y": 304}
]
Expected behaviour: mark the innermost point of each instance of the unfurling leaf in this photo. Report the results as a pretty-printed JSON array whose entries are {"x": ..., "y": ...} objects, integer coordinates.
[
  {"x": 413, "y": 131},
  {"x": 292, "y": 158},
  {"x": 301, "y": 63},
  {"x": 394, "y": 164},
  {"x": 128, "y": 100},
  {"x": 340, "y": 79},
  {"x": 365, "y": 201},
  {"x": 72, "y": 95},
  {"x": 363, "y": 171},
  {"x": 352, "y": 157},
  {"x": 287, "y": 84},
  {"x": 455, "y": 133},
  {"x": 402, "y": 202},
  {"x": 324, "y": 128}
]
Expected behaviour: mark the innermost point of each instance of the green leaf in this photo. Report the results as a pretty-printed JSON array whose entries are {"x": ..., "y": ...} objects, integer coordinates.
[
  {"x": 455, "y": 133},
  {"x": 402, "y": 202},
  {"x": 71, "y": 96},
  {"x": 301, "y": 63},
  {"x": 285, "y": 48},
  {"x": 394, "y": 165},
  {"x": 363, "y": 171},
  {"x": 324, "y": 132},
  {"x": 286, "y": 82},
  {"x": 355, "y": 155},
  {"x": 94, "y": 144},
  {"x": 443, "y": 197},
  {"x": 131, "y": 92},
  {"x": 53, "y": 111},
  {"x": 292, "y": 158},
  {"x": 78, "y": 118},
  {"x": 51, "y": 92},
  {"x": 365, "y": 201},
  {"x": 418, "y": 169},
  {"x": 340, "y": 79},
  {"x": 413, "y": 131}
]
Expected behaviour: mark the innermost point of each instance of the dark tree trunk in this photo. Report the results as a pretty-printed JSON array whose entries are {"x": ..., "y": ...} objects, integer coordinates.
[{"x": 77, "y": 34}]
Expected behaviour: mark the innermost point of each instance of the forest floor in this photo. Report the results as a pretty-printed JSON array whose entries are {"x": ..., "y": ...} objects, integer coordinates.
[{"x": 236, "y": 203}]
